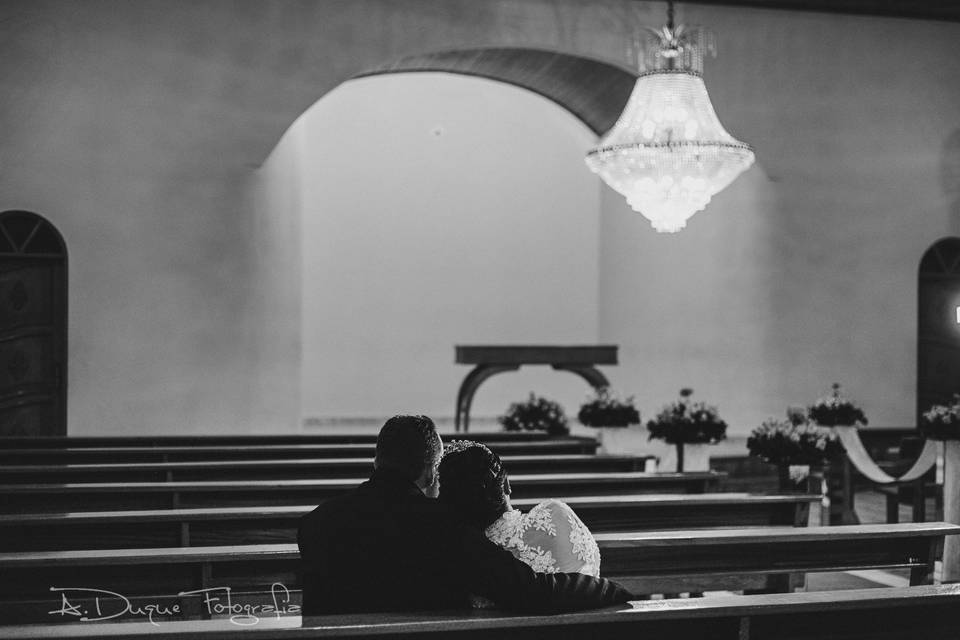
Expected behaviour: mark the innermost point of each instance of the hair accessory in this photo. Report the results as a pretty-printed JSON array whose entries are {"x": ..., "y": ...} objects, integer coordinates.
[{"x": 457, "y": 446}]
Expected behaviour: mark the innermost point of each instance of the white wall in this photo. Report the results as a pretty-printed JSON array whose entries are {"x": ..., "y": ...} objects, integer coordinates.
[
  {"x": 275, "y": 197},
  {"x": 437, "y": 210},
  {"x": 136, "y": 128},
  {"x": 804, "y": 271},
  {"x": 690, "y": 309}
]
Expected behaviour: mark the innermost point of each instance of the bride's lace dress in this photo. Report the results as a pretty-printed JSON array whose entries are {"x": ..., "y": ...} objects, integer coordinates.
[{"x": 550, "y": 538}]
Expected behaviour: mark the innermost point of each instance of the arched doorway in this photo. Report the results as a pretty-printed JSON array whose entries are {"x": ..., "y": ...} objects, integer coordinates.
[
  {"x": 33, "y": 326},
  {"x": 938, "y": 324}
]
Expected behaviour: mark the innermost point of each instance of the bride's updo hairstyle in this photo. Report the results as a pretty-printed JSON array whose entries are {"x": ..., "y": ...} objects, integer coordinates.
[{"x": 473, "y": 483}]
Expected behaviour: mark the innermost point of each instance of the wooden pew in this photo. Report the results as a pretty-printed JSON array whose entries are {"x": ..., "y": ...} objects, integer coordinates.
[
  {"x": 913, "y": 493},
  {"x": 113, "y": 496},
  {"x": 644, "y": 562},
  {"x": 286, "y": 469},
  {"x": 199, "y": 452},
  {"x": 369, "y": 437},
  {"x": 277, "y": 524},
  {"x": 706, "y": 560},
  {"x": 916, "y": 613}
]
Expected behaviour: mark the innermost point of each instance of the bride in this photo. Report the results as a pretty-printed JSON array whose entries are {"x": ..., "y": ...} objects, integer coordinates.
[{"x": 550, "y": 538}]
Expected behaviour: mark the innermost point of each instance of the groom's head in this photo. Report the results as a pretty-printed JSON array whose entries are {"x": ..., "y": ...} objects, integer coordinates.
[{"x": 410, "y": 445}]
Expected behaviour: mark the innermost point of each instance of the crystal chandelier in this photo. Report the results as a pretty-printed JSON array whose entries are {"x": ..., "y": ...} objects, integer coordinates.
[{"x": 668, "y": 153}]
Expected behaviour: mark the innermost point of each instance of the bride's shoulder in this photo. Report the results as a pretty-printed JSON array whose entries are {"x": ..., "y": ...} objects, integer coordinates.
[
  {"x": 546, "y": 513},
  {"x": 553, "y": 507},
  {"x": 554, "y": 525}
]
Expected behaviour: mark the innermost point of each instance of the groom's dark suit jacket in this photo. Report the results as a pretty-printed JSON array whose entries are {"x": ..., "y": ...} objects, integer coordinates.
[{"x": 387, "y": 547}]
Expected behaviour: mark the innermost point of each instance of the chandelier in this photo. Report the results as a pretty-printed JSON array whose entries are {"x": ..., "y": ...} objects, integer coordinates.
[{"x": 668, "y": 154}]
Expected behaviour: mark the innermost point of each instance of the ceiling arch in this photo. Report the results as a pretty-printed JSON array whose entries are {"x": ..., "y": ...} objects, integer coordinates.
[{"x": 593, "y": 91}]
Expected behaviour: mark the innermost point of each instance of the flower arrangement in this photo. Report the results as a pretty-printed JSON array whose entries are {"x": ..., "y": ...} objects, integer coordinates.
[
  {"x": 536, "y": 414},
  {"x": 942, "y": 421},
  {"x": 793, "y": 441},
  {"x": 835, "y": 410},
  {"x": 605, "y": 409},
  {"x": 686, "y": 422}
]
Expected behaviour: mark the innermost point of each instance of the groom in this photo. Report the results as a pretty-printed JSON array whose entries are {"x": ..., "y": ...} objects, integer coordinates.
[{"x": 389, "y": 546}]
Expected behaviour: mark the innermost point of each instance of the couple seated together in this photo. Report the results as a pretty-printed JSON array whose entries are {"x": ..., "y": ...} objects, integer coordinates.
[{"x": 434, "y": 529}]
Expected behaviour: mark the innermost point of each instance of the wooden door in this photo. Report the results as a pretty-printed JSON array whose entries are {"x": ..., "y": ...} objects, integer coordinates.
[
  {"x": 33, "y": 327},
  {"x": 938, "y": 325}
]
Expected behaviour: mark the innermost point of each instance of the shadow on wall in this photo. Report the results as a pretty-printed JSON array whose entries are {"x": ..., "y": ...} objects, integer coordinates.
[{"x": 950, "y": 178}]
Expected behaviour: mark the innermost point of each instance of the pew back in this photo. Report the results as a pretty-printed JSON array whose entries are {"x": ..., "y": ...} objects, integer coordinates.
[
  {"x": 93, "y": 496},
  {"x": 278, "y": 524},
  {"x": 644, "y": 562},
  {"x": 927, "y": 612},
  {"x": 293, "y": 469},
  {"x": 199, "y": 452},
  {"x": 369, "y": 437}
]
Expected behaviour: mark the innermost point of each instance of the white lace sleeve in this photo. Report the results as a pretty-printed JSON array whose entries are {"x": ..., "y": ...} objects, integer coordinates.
[{"x": 554, "y": 529}]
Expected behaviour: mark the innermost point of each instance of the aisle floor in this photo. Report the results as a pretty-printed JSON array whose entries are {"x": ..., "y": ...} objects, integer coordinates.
[{"x": 871, "y": 509}]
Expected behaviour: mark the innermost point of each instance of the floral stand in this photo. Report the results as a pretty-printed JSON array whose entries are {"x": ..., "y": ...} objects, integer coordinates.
[
  {"x": 691, "y": 427},
  {"x": 951, "y": 484},
  {"x": 794, "y": 477},
  {"x": 951, "y": 509},
  {"x": 812, "y": 479},
  {"x": 692, "y": 457},
  {"x": 629, "y": 441}
]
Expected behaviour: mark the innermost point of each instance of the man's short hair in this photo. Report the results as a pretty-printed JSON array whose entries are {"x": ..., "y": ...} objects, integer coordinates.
[{"x": 408, "y": 444}]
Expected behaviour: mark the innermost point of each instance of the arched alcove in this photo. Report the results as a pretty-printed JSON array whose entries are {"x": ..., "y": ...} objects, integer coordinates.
[
  {"x": 33, "y": 326},
  {"x": 425, "y": 223},
  {"x": 938, "y": 324},
  {"x": 593, "y": 91}
]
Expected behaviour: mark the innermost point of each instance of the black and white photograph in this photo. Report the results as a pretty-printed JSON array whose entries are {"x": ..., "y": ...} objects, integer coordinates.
[{"x": 480, "y": 319}]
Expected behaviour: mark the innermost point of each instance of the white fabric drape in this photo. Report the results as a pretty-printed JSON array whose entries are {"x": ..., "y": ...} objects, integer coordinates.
[{"x": 864, "y": 463}]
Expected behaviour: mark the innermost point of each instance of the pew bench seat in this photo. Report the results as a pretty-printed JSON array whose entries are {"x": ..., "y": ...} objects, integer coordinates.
[
  {"x": 200, "y": 452},
  {"x": 370, "y": 437},
  {"x": 278, "y": 524},
  {"x": 646, "y": 562},
  {"x": 96, "y": 496},
  {"x": 917, "y": 613},
  {"x": 302, "y": 468}
]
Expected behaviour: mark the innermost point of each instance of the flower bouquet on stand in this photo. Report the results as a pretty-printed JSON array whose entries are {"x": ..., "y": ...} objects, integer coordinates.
[
  {"x": 536, "y": 414},
  {"x": 942, "y": 421},
  {"x": 684, "y": 423},
  {"x": 615, "y": 420},
  {"x": 835, "y": 410},
  {"x": 794, "y": 445}
]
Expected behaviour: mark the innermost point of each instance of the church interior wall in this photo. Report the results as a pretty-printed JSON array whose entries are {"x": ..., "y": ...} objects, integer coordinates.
[
  {"x": 425, "y": 224},
  {"x": 139, "y": 129},
  {"x": 804, "y": 271}
]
